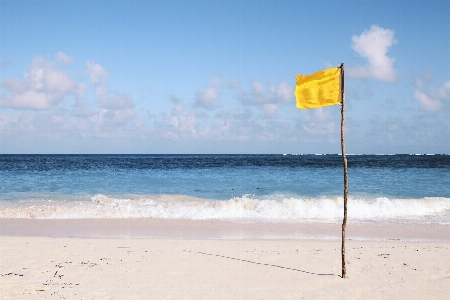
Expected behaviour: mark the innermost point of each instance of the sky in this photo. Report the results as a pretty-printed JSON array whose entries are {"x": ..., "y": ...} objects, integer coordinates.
[{"x": 181, "y": 77}]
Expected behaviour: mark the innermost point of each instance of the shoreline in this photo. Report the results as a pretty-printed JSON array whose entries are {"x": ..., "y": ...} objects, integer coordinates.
[{"x": 217, "y": 229}]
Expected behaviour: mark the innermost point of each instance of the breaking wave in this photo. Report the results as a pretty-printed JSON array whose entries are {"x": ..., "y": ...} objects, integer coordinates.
[{"x": 276, "y": 208}]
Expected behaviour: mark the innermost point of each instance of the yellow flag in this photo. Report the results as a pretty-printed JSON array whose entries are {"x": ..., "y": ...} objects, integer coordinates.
[{"x": 319, "y": 89}]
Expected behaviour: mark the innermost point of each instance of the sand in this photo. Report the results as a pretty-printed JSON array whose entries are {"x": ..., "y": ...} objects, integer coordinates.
[{"x": 122, "y": 259}]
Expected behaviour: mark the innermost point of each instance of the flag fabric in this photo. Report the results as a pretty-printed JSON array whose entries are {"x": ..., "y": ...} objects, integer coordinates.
[{"x": 319, "y": 89}]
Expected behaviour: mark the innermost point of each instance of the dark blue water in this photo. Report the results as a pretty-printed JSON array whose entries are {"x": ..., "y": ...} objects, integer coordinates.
[{"x": 223, "y": 176}]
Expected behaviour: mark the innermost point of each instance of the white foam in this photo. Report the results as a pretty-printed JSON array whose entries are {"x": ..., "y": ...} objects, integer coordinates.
[{"x": 270, "y": 208}]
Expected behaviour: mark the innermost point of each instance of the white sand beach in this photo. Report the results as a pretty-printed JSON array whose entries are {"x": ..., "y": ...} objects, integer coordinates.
[{"x": 150, "y": 259}]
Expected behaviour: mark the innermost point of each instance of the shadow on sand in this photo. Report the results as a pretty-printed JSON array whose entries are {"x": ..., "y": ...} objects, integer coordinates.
[{"x": 258, "y": 263}]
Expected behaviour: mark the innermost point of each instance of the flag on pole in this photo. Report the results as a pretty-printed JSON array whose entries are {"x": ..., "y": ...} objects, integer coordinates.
[{"x": 319, "y": 89}]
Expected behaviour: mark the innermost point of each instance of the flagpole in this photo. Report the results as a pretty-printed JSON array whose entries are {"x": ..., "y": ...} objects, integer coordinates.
[{"x": 344, "y": 158}]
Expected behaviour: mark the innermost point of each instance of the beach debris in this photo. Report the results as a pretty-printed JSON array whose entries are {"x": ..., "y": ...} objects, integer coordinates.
[{"x": 12, "y": 273}]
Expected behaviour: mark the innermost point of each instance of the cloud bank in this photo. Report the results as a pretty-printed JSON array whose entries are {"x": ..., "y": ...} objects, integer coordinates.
[{"x": 43, "y": 86}]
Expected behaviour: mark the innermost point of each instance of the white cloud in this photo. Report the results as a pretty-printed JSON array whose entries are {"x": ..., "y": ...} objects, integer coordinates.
[
  {"x": 178, "y": 124},
  {"x": 319, "y": 129},
  {"x": 246, "y": 114},
  {"x": 57, "y": 120},
  {"x": 443, "y": 92},
  {"x": 259, "y": 93},
  {"x": 81, "y": 112},
  {"x": 96, "y": 72},
  {"x": 120, "y": 117},
  {"x": 16, "y": 125},
  {"x": 187, "y": 123},
  {"x": 105, "y": 119},
  {"x": 373, "y": 45},
  {"x": 434, "y": 98},
  {"x": 320, "y": 115},
  {"x": 268, "y": 99},
  {"x": 29, "y": 99},
  {"x": 426, "y": 103},
  {"x": 43, "y": 87},
  {"x": 317, "y": 125},
  {"x": 234, "y": 126},
  {"x": 243, "y": 126},
  {"x": 283, "y": 93},
  {"x": 234, "y": 84},
  {"x": 207, "y": 98},
  {"x": 116, "y": 102},
  {"x": 64, "y": 58},
  {"x": 16, "y": 86},
  {"x": 171, "y": 121},
  {"x": 425, "y": 77},
  {"x": 270, "y": 110},
  {"x": 43, "y": 77}
]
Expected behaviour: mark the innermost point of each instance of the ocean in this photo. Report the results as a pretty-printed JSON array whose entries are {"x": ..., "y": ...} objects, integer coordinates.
[{"x": 238, "y": 188}]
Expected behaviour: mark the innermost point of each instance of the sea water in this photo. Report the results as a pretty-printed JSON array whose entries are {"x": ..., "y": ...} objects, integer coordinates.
[{"x": 241, "y": 188}]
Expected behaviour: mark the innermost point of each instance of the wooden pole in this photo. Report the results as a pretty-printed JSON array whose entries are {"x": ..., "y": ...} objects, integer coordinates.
[{"x": 344, "y": 158}]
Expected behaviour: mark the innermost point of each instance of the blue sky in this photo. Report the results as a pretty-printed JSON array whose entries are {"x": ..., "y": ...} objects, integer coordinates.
[{"x": 218, "y": 76}]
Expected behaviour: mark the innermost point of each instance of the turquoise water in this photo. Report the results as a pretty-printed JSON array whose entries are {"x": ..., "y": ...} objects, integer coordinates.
[{"x": 238, "y": 187}]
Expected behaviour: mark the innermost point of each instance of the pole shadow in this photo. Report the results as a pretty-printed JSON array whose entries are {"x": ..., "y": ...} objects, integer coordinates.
[{"x": 262, "y": 264}]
